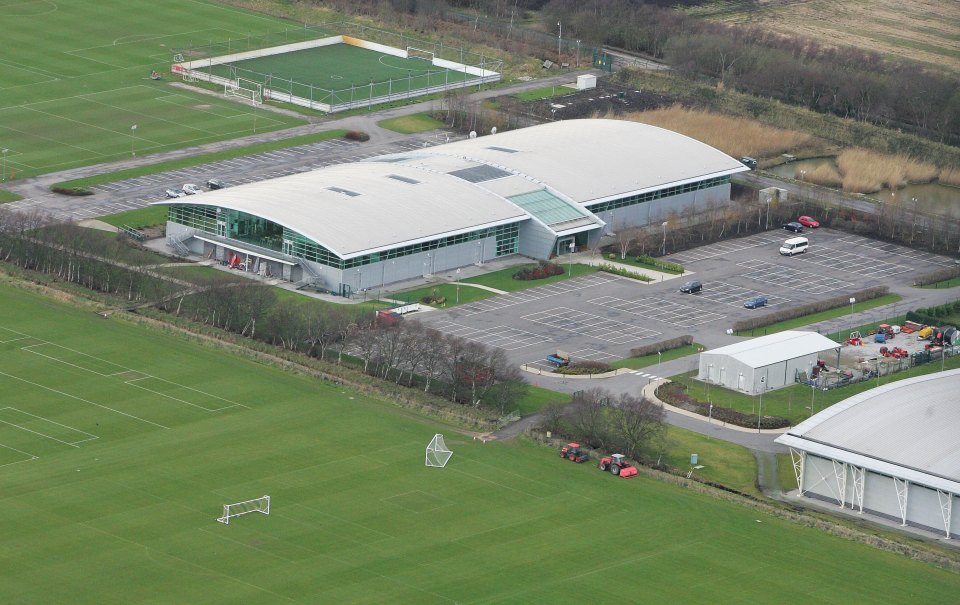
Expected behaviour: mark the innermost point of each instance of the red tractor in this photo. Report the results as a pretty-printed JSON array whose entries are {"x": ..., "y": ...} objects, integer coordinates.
[
  {"x": 617, "y": 465},
  {"x": 572, "y": 452}
]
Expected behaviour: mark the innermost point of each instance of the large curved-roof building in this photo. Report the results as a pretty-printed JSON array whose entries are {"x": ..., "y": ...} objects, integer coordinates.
[
  {"x": 892, "y": 451},
  {"x": 539, "y": 191}
]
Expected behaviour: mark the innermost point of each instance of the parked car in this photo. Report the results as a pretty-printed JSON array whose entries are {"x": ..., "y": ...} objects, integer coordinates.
[
  {"x": 190, "y": 189},
  {"x": 215, "y": 184},
  {"x": 691, "y": 286},
  {"x": 755, "y": 302},
  {"x": 810, "y": 222},
  {"x": 795, "y": 227},
  {"x": 174, "y": 193},
  {"x": 748, "y": 162}
]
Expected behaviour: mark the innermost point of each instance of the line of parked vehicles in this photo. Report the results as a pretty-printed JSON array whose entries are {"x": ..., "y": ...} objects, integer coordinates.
[{"x": 192, "y": 189}]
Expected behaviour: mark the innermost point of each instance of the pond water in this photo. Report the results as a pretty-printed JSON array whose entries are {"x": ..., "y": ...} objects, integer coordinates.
[{"x": 930, "y": 198}]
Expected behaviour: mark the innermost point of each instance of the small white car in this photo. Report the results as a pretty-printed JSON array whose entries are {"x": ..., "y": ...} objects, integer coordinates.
[
  {"x": 190, "y": 189},
  {"x": 174, "y": 193}
]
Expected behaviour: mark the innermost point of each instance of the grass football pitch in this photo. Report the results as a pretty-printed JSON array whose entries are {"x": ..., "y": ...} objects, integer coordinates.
[
  {"x": 120, "y": 444},
  {"x": 75, "y": 79},
  {"x": 340, "y": 73}
]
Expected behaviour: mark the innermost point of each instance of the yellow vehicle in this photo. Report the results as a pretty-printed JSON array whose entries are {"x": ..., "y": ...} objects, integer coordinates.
[{"x": 925, "y": 333}]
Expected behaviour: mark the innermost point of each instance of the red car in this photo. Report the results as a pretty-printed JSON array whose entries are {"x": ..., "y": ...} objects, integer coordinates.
[{"x": 809, "y": 222}]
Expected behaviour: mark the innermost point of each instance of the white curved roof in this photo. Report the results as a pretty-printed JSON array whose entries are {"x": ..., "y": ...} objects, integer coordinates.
[
  {"x": 593, "y": 160},
  {"x": 909, "y": 428},
  {"x": 359, "y": 208},
  {"x": 548, "y": 171}
]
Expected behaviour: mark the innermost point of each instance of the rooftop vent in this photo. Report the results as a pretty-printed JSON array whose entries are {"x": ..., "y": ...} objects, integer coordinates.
[
  {"x": 405, "y": 179},
  {"x": 479, "y": 174},
  {"x": 343, "y": 191},
  {"x": 503, "y": 149}
]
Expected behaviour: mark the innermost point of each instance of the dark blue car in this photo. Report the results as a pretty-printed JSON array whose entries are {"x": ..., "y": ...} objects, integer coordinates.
[{"x": 755, "y": 302}]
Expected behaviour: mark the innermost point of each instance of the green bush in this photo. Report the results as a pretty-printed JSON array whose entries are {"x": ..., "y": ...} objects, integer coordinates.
[
  {"x": 356, "y": 135},
  {"x": 937, "y": 276},
  {"x": 606, "y": 268},
  {"x": 663, "y": 345},
  {"x": 646, "y": 259},
  {"x": 584, "y": 368},
  {"x": 541, "y": 271},
  {"x": 72, "y": 191},
  {"x": 676, "y": 394}
]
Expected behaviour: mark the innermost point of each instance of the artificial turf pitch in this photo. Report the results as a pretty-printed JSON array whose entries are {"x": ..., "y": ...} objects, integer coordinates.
[{"x": 120, "y": 444}]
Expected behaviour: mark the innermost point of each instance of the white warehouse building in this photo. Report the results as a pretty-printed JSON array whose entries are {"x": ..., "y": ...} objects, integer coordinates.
[
  {"x": 892, "y": 452},
  {"x": 764, "y": 363},
  {"x": 539, "y": 192}
]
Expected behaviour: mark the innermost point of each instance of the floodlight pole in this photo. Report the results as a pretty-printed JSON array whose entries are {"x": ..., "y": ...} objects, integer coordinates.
[
  {"x": 458, "y": 286},
  {"x": 4, "y": 173},
  {"x": 133, "y": 138},
  {"x": 664, "y": 252},
  {"x": 763, "y": 384}
]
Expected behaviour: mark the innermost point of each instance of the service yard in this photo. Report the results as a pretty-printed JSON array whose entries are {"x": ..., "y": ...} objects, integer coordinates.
[{"x": 604, "y": 316}]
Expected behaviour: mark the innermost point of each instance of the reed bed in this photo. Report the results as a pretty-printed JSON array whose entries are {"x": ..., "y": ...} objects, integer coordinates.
[
  {"x": 735, "y": 136},
  {"x": 866, "y": 171}
]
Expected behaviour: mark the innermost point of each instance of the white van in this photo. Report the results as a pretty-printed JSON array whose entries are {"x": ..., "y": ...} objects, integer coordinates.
[{"x": 794, "y": 245}]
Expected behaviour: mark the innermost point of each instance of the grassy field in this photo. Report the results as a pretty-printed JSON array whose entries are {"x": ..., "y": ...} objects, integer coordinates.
[
  {"x": 920, "y": 30},
  {"x": 412, "y": 124},
  {"x": 74, "y": 81},
  {"x": 339, "y": 73},
  {"x": 117, "y": 460}
]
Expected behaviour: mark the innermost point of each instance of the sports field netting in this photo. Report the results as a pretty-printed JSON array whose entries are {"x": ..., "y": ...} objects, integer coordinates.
[{"x": 334, "y": 73}]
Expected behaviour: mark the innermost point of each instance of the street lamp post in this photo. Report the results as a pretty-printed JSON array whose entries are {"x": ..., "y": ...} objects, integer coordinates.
[
  {"x": 578, "y": 54},
  {"x": 664, "y": 252},
  {"x": 573, "y": 246},
  {"x": 803, "y": 175},
  {"x": 458, "y": 286},
  {"x": 763, "y": 383},
  {"x": 133, "y": 138},
  {"x": 659, "y": 358},
  {"x": 559, "y": 40},
  {"x": 768, "y": 213},
  {"x": 4, "y": 173},
  {"x": 813, "y": 396}
]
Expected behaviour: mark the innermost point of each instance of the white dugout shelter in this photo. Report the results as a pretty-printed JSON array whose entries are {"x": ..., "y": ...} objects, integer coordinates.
[
  {"x": 764, "y": 363},
  {"x": 892, "y": 452}
]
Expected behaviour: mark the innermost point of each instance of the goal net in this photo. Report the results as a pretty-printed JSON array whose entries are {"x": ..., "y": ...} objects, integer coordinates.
[
  {"x": 257, "y": 505},
  {"x": 245, "y": 89},
  {"x": 419, "y": 53},
  {"x": 437, "y": 452}
]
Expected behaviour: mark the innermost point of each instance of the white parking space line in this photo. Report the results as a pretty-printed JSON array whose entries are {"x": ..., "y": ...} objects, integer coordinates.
[
  {"x": 524, "y": 296},
  {"x": 851, "y": 262},
  {"x": 732, "y": 294},
  {"x": 589, "y": 325},
  {"x": 792, "y": 277},
  {"x": 889, "y": 249},
  {"x": 658, "y": 309},
  {"x": 722, "y": 248},
  {"x": 503, "y": 337}
]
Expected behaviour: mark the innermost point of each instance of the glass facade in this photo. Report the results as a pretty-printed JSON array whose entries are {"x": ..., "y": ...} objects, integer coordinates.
[
  {"x": 649, "y": 196},
  {"x": 261, "y": 232}
]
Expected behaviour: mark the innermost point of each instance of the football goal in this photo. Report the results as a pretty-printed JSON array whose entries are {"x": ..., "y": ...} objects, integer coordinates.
[
  {"x": 419, "y": 53},
  {"x": 437, "y": 452},
  {"x": 245, "y": 89},
  {"x": 257, "y": 505}
]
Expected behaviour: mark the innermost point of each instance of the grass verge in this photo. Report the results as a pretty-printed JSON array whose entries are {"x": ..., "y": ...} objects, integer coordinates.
[
  {"x": 141, "y": 217},
  {"x": 950, "y": 283},
  {"x": 412, "y": 124},
  {"x": 196, "y": 160},
  {"x": 503, "y": 279},
  {"x": 454, "y": 295},
  {"x": 8, "y": 196},
  {"x": 723, "y": 462},
  {"x": 635, "y": 363},
  {"x": 790, "y": 324}
]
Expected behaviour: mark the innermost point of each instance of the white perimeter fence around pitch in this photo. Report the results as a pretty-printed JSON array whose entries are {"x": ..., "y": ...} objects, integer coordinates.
[{"x": 193, "y": 70}]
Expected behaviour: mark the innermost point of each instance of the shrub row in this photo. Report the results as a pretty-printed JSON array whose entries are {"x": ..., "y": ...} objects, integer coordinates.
[
  {"x": 937, "y": 276},
  {"x": 541, "y": 271},
  {"x": 356, "y": 135},
  {"x": 676, "y": 395},
  {"x": 606, "y": 268},
  {"x": 835, "y": 302},
  {"x": 663, "y": 345},
  {"x": 72, "y": 191},
  {"x": 646, "y": 259},
  {"x": 934, "y": 316},
  {"x": 584, "y": 368}
]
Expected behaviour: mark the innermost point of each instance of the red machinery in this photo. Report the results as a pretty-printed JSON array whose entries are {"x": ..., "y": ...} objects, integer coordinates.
[
  {"x": 572, "y": 451},
  {"x": 617, "y": 465}
]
